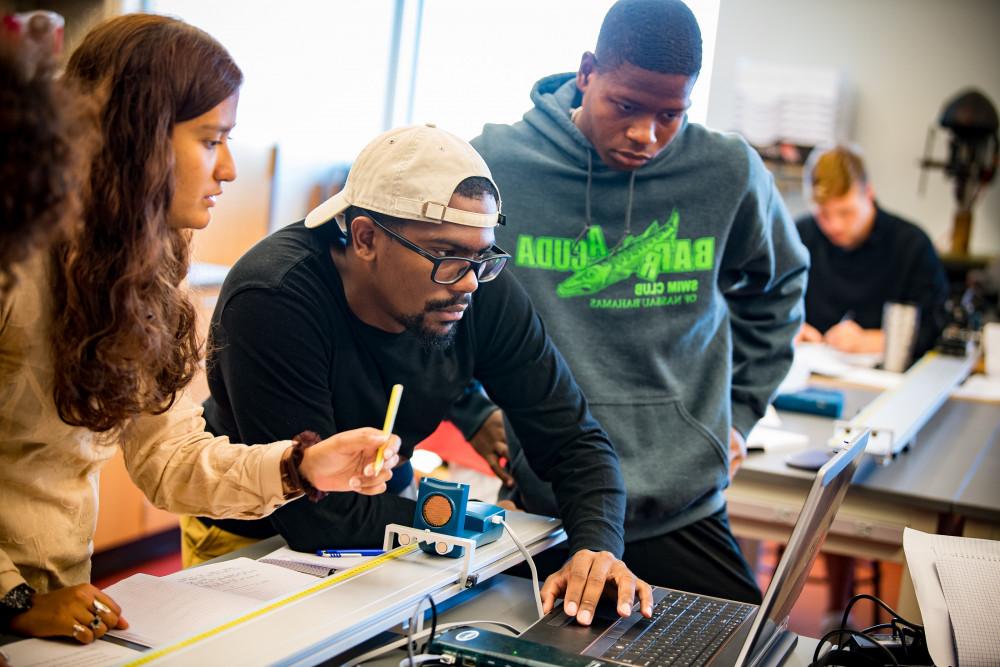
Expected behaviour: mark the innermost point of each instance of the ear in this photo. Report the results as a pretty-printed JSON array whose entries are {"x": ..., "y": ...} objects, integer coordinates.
[
  {"x": 869, "y": 193},
  {"x": 588, "y": 66},
  {"x": 363, "y": 238}
]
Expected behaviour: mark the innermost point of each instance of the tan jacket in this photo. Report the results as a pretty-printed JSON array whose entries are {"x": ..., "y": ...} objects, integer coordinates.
[{"x": 49, "y": 470}]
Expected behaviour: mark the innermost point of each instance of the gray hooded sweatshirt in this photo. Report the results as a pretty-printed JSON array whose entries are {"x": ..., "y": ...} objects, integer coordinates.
[{"x": 674, "y": 292}]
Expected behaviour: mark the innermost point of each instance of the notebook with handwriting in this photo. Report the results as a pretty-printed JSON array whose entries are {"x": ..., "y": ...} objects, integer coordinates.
[{"x": 309, "y": 563}]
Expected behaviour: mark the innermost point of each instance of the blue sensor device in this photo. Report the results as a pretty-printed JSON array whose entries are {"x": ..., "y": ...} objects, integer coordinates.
[
  {"x": 444, "y": 507},
  {"x": 813, "y": 401}
]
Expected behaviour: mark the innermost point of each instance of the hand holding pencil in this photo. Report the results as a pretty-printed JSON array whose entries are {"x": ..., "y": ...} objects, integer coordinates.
[
  {"x": 359, "y": 460},
  {"x": 390, "y": 421}
]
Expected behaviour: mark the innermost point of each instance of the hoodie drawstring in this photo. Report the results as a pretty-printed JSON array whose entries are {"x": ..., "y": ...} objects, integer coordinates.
[
  {"x": 628, "y": 208},
  {"x": 587, "y": 217},
  {"x": 586, "y": 214}
]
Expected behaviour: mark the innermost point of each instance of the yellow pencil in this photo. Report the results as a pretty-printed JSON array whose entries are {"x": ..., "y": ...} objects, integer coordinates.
[{"x": 390, "y": 421}]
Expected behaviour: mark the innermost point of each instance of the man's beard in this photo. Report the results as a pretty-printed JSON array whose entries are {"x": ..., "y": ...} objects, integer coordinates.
[{"x": 417, "y": 326}]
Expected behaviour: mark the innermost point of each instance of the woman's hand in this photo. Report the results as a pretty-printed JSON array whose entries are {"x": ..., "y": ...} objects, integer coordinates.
[
  {"x": 346, "y": 461},
  {"x": 82, "y": 612}
]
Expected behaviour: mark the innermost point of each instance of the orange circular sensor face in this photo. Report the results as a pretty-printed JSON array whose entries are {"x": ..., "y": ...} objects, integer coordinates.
[{"x": 436, "y": 510}]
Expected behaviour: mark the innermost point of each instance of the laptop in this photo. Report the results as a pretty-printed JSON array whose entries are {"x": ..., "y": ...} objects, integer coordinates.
[{"x": 690, "y": 629}]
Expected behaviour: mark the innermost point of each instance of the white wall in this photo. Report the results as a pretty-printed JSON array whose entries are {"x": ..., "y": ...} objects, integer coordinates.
[
  {"x": 905, "y": 58},
  {"x": 314, "y": 82},
  {"x": 316, "y": 71},
  {"x": 466, "y": 78}
]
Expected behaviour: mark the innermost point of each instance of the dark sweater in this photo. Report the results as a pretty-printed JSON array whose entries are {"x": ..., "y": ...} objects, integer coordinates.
[
  {"x": 289, "y": 355},
  {"x": 896, "y": 263}
]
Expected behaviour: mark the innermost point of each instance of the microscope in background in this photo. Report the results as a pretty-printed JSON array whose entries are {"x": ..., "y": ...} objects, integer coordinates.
[{"x": 973, "y": 154}]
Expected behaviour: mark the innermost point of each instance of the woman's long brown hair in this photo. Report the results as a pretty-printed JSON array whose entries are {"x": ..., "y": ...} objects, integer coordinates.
[{"x": 123, "y": 336}]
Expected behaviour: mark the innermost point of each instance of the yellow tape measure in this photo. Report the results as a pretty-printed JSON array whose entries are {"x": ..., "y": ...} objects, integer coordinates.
[{"x": 156, "y": 654}]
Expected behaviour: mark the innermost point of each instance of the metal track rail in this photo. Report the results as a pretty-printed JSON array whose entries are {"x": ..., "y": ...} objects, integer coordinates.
[{"x": 898, "y": 414}]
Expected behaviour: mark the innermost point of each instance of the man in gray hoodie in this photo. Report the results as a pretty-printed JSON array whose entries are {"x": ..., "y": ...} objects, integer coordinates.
[{"x": 665, "y": 266}]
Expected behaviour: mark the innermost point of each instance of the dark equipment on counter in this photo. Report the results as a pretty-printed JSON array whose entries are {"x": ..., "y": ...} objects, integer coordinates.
[{"x": 973, "y": 152}]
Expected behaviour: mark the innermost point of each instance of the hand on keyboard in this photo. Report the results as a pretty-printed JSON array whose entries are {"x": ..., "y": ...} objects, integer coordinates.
[{"x": 586, "y": 577}]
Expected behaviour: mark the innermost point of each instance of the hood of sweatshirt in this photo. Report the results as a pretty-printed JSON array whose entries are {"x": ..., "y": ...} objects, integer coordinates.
[{"x": 555, "y": 98}]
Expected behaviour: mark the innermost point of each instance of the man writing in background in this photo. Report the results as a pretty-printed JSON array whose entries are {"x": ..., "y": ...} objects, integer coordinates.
[{"x": 862, "y": 258}]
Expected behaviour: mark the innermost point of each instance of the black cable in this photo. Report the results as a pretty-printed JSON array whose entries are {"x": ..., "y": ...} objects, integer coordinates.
[
  {"x": 865, "y": 596},
  {"x": 911, "y": 640},
  {"x": 880, "y": 626},
  {"x": 434, "y": 624},
  {"x": 413, "y": 624},
  {"x": 851, "y": 633},
  {"x": 901, "y": 630}
]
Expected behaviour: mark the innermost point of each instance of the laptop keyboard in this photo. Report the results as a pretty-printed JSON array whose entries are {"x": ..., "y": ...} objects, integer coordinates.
[{"x": 685, "y": 630}]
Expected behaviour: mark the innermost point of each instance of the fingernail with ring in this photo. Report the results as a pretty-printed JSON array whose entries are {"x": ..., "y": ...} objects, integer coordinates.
[
  {"x": 77, "y": 629},
  {"x": 101, "y": 608}
]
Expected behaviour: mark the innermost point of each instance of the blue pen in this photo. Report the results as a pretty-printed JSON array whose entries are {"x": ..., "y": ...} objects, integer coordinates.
[{"x": 344, "y": 553}]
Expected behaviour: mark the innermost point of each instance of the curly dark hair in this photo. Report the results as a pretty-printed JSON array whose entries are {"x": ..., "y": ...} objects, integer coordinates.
[
  {"x": 41, "y": 143},
  {"x": 123, "y": 337}
]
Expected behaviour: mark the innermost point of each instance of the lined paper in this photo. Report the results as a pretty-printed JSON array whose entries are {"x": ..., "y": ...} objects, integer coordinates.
[
  {"x": 244, "y": 576},
  {"x": 160, "y": 611},
  {"x": 65, "y": 653},
  {"x": 319, "y": 566}
]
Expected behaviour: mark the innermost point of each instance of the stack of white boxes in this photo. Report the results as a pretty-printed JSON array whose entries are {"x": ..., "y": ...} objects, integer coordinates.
[{"x": 796, "y": 104}]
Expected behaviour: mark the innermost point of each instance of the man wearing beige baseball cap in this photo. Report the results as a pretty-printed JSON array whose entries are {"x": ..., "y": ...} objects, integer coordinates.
[{"x": 396, "y": 279}]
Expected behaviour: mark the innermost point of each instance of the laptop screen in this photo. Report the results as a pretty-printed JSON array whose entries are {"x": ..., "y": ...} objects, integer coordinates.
[{"x": 810, "y": 530}]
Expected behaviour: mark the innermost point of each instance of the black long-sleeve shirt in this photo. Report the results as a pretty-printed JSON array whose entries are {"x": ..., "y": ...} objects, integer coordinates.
[
  {"x": 289, "y": 355},
  {"x": 897, "y": 263}
]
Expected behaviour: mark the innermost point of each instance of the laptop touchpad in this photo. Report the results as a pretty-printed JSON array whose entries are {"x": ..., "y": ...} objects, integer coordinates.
[{"x": 564, "y": 632}]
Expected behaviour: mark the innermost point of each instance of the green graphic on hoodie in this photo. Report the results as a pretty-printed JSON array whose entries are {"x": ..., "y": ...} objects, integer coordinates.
[{"x": 655, "y": 251}]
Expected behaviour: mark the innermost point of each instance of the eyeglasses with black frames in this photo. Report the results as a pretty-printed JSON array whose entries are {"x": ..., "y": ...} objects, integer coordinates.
[{"x": 449, "y": 270}]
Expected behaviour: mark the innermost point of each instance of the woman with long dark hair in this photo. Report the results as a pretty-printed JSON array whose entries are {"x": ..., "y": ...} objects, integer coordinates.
[{"x": 97, "y": 338}]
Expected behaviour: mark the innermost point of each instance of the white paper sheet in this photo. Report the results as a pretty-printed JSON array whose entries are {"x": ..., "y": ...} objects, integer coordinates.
[
  {"x": 320, "y": 566},
  {"x": 824, "y": 360},
  {"x": 873, "y": 377},
  {"x": 775, "y": 439},
  {"x": 160, "y": 611},
  {"x": 972, "y": 590},
  {"x": 244, "y": 576},
  {"x": 923, "y": 552},
  {"x": 979, "y": 388},
  {"x": 771, "y": 418},
  {"x": 920, "y": 556},
  {"x": 59, "y": 653}
]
